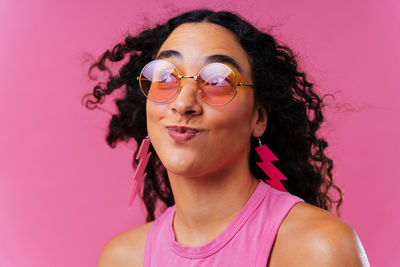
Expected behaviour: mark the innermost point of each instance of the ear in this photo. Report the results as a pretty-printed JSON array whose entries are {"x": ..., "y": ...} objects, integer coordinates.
[{"x": 260, "y": 121}]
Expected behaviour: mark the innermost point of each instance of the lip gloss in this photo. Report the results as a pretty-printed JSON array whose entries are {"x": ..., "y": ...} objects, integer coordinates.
[{"x": 181, "y": 134}]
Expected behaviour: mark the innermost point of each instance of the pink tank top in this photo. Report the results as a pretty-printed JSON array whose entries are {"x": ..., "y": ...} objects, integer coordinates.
[{"x": 247, "y": 241}]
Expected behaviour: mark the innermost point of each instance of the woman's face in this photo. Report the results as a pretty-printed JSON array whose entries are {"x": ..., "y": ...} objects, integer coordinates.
[{"x": 220, "y": 136}]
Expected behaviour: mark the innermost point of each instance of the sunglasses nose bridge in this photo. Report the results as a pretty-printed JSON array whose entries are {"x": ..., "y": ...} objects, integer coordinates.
[
  {"x": 193, "y": 77},
  {"x": 187, "y": 77}
]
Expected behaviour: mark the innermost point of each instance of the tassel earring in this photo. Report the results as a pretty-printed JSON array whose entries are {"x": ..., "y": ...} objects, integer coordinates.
[
  {"x": 273, "y": 173},
  {"x": 138, "y": 178}
]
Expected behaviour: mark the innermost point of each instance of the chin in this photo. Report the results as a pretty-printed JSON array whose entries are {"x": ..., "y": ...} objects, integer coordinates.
[{"x": 182, "y": 168}]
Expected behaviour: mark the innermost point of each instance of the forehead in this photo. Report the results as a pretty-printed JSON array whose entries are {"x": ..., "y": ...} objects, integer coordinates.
[{"x": 196, "y": 41}]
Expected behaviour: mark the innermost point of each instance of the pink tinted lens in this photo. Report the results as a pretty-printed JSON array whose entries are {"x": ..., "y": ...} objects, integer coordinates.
[
  {"x": 159, "y": 80},
  {"x": 217, "y": 84}
]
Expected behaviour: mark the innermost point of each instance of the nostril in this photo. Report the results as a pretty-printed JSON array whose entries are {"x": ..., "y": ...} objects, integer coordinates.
[
  {"x": 184, "y": 110},
  {"x": 189, "y": 112}
]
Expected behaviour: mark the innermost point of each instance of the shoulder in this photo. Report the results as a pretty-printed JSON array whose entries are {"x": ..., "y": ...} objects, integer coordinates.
[
  {"x": 125, "y": 249},
  {"x": 310, "y": 236}
]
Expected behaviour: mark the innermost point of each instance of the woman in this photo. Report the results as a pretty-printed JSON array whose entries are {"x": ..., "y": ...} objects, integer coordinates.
[{"x": 215, "y": 96}]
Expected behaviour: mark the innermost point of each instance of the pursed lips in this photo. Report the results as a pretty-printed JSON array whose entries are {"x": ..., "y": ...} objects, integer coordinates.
[{"x": 182, "y": 134}]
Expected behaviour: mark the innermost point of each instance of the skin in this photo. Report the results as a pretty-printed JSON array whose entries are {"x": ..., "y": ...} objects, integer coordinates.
[
  {"x": 201, "y": 170},
  {"x": 215, "y": 164}
]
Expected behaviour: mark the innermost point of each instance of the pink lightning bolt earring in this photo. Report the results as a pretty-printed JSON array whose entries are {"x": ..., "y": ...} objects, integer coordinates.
[
  {"x": 273, "y": 173},
  {"x": 138, "y": 178}
]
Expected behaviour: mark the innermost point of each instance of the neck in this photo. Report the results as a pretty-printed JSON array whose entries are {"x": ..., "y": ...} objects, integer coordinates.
[{"x": 206, "y": 205}]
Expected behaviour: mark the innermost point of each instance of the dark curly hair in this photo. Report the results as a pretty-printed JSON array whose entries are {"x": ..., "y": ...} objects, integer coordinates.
[{"x": 294, "y": 108}]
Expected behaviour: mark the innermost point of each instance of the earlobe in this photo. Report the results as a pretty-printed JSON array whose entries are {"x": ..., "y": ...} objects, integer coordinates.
[{"x": 260, "y": 121}]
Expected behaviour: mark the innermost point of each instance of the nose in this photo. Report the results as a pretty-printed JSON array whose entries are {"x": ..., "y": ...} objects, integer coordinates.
[{"x": 187, "y": 102}]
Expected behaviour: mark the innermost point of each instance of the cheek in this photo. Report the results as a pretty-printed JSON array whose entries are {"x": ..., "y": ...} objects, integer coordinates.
[
  {"x": 154, "y": 114},
  {"x": 149, "y": 119},
  {"x": 149, "y": 116},
  {"x": 232, "y": 131},
  {"x": 237, "y": 120}
]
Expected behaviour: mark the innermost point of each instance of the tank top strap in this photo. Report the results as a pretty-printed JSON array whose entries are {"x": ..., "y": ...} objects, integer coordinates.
[
  {"x": 154, "y": 232},
  {"x": 276, "y": 207}
]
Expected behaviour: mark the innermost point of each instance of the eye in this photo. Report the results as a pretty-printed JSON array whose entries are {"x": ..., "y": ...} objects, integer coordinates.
[
  {"x": 217, "y": 75},
  {"x": 219, "y": 81},
  {"x": 168, "y": 77}
]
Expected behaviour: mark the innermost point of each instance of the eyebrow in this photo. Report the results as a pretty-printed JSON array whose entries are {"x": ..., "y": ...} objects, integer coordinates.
[{"x": 209, "y": 59}]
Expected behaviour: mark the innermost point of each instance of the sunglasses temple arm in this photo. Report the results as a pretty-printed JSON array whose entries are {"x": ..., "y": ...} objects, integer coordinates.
[{"x": 244, "y": 84}]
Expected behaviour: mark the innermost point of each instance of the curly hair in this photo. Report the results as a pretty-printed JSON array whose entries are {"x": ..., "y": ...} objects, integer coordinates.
[{"x": 294, "y": 108}]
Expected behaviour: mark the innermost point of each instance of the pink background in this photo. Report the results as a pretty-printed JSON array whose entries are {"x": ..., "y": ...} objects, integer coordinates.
[{"x": 64, "y": 192}]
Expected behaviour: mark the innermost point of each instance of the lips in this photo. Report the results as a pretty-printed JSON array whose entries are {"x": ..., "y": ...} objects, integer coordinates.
[{"x": 182, "y": 134}]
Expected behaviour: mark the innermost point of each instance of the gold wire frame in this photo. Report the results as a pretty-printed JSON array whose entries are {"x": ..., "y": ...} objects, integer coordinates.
[{"x": 193, "y": 77}]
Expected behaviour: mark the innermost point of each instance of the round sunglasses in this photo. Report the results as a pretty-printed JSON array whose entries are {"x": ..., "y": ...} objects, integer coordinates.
[{"x": 216, "y": 82}]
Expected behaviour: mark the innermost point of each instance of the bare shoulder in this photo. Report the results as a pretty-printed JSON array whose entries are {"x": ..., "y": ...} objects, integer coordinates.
[
  {"x": 125, "y": 249},
  {"x": 310, "y": 236}
]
